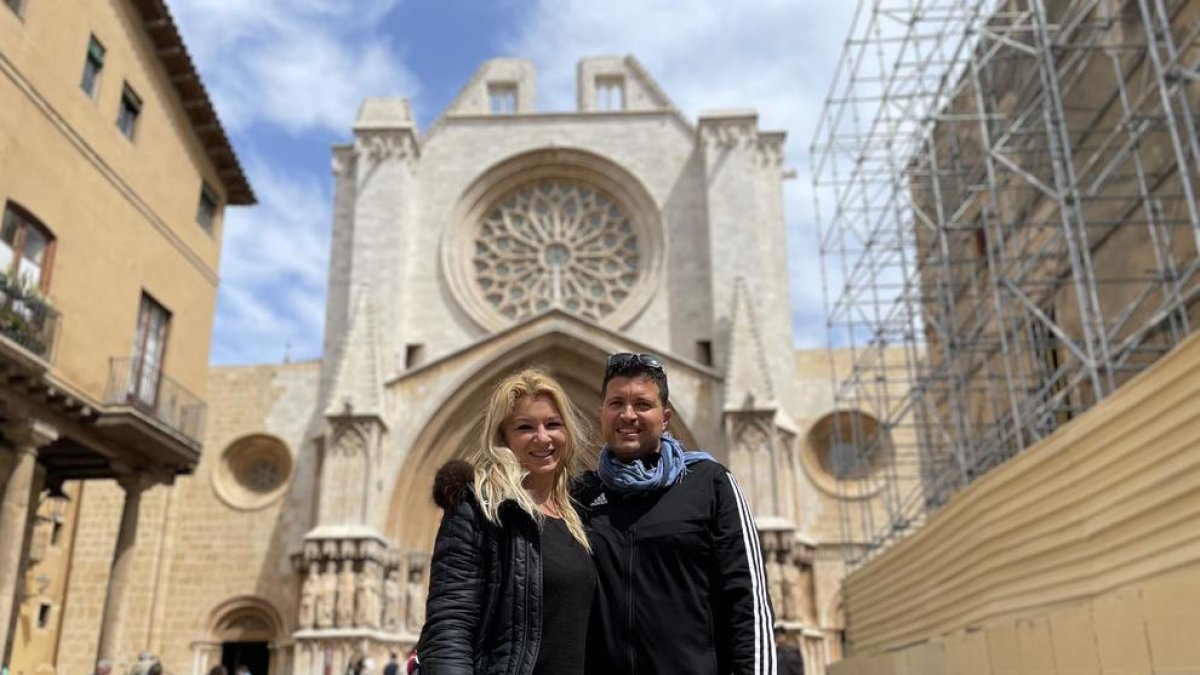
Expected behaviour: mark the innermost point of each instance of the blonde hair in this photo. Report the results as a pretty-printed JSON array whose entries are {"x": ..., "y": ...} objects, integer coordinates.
[{"x": 499, "y": 476}]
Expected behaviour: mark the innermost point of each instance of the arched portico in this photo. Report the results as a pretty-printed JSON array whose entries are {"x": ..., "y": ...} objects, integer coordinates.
[{"x": 244, "y": 630}]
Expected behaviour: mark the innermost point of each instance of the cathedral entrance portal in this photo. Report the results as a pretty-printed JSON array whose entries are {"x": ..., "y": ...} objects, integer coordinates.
[
  {"x": 242, "y": 632},
  {"x": 255, "y": 656},
  {"x": 453, "y": 431}
]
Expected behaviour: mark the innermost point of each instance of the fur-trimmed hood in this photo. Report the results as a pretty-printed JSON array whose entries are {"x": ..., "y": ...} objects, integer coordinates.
[{"x": 453, "y": 484}]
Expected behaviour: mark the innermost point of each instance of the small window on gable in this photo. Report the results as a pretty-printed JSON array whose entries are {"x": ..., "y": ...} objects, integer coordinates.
[
  {"x": 414, "y": 355},
  {"x": 610, "y": 92},
  {"x": 131, "y": 109},
  {"x": 206, "y": 212},
  {"x": 502, "y": 98},
  {"x": 93, "y": 64},
  {"x": 15, "y": 5}
]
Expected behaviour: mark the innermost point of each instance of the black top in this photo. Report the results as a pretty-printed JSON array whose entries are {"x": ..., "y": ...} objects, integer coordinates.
[
  {"x": 681, "y": 585},
  {"x": 568, "y": 585}
]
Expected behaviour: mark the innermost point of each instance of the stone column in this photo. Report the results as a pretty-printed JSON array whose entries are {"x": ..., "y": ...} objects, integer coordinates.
[
  {"x": 26, "y": 438},
  {"x": 205, "y": 655},
  {"x": 118, "y": 579}
]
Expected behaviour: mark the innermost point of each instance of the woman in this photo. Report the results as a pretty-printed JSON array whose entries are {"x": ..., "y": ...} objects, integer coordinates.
[{"x": 511, "y": 581}]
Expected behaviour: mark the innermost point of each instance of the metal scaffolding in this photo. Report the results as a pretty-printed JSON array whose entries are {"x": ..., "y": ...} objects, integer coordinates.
[{"x": 1007, "y": 199}]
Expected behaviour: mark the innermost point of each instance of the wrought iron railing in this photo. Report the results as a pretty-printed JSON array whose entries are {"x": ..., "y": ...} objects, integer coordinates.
[
  {"x": 27, "y": 319},
  {"x": 142, "y": 385}
]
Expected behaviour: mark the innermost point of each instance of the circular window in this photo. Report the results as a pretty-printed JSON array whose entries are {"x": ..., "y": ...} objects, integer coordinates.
[
  {"x": 556, "y": 229},
  {"x": 844, "y": 451},
  {"x": 253, "y": 472},
  {"x": 556, "y": 244}
]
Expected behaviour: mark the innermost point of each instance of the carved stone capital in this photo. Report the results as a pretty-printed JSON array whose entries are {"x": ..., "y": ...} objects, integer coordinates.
[
  {"x": 770, "y": 150},
  {"x": 136, "y": 481},
  {"x": 729, "y": 134},
  {"x": 382, "y": 145},
  {"x": 343, "y": 161},
  {"x": 29, "y": 434}
]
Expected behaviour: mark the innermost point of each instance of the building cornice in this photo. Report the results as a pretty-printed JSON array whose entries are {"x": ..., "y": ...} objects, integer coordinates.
[{"x": 193, "y": 99}]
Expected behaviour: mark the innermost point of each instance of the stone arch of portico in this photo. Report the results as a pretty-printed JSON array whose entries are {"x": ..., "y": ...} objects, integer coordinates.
[
  {"x": 453, "y": 430},
  {"x": 245, "y": 619}
]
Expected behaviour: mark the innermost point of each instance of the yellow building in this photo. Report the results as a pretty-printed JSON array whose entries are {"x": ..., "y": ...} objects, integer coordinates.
[{"x": 114, "y": 174}]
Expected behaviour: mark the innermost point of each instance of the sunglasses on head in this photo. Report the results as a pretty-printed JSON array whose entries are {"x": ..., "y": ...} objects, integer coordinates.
[{"x": 652, "y": 361}]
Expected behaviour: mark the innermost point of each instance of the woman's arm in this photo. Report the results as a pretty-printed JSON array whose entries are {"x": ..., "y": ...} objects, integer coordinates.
[{"x": 456, "y": 585}]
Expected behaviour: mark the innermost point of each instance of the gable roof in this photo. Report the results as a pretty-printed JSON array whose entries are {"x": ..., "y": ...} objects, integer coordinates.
[
  {"x": 358, "y": 381},
  {"x": 193, "y": 99},
  {"x": 748, "y": 377}
]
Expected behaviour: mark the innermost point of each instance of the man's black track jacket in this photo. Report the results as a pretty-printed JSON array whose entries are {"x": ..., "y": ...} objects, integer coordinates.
[{"x": 682, "y": 582}]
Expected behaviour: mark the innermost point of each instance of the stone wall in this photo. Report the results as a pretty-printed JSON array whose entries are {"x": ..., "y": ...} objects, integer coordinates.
[{"x": 196, "y": 552}]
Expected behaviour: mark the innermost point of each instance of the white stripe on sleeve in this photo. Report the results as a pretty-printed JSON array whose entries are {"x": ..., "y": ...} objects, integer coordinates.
[{"x": 764, "y": 644}]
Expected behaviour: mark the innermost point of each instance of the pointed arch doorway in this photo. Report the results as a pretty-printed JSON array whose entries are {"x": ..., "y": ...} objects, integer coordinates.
[{"x": 453, "y": 431}]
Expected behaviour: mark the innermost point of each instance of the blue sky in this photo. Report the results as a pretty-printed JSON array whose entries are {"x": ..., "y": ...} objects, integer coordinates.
[{"x": 287, "y": 77}]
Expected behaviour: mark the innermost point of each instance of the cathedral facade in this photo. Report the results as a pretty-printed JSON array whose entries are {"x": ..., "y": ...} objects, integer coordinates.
[{"x": 499, "y": 238}]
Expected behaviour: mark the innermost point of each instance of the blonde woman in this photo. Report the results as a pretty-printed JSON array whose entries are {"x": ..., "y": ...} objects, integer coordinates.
[{"x": 511, "y": 582}]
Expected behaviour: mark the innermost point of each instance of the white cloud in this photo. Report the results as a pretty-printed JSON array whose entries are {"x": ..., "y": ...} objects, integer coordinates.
[
  {"x": 300, "y": 67},
  {"x": 275, "y": 261},
  {"x": 774, "y": 55},
  {"x": 297, "y": 64}
]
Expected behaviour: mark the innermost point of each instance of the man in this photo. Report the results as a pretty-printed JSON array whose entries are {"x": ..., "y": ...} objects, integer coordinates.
[
  {"x": 682, "y": 587},
  {"x": 791, "y": 661},
  {"x": 393, "y": 665}
]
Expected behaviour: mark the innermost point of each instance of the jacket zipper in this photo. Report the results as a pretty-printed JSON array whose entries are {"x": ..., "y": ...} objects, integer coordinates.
[
  {"x": 630, "y": 628},
  {"x": 520, "y": 660}
]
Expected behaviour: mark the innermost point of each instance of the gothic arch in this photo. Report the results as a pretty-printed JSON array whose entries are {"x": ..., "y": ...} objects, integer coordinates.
[
  {"x": 834, "y": 614},
  {"x": 751, "y": 460},
  {"x": 346, "y": 466},
  {"x": 577, "y": 363}
]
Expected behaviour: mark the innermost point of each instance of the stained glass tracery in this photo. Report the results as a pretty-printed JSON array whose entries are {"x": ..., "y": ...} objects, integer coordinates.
[{"x": 555, "y": 243}]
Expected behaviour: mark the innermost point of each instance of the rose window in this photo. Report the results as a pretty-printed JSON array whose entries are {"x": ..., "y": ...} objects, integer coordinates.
[
  {"x": 262, "y": 475},
  {"x": 556, "y": 243}
]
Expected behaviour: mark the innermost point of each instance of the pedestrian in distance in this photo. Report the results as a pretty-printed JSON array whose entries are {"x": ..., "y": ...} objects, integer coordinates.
[
  {"x": 682, "y": 588},
  {"x": 393, "y": 665},
  {"x": 511, "y": 584},
  {"x": 791, "y": 661},
  {"x": 141, "y": 667}
]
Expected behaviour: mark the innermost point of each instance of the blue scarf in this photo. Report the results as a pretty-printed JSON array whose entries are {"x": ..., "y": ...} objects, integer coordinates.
[{"x": 635, "y": 476}]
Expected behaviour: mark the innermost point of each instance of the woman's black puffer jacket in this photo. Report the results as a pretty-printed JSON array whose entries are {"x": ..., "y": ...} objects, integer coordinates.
[{"x": 484, "y": 613}]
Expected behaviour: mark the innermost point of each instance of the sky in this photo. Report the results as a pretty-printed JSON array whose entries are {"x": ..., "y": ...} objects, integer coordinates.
[{"x": 287, "y": 77}]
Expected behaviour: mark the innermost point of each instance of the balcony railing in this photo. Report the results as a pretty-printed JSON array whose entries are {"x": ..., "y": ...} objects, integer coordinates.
[
  {"x": 27, "y": 319},
  {"x": 142, "y": 385}
]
